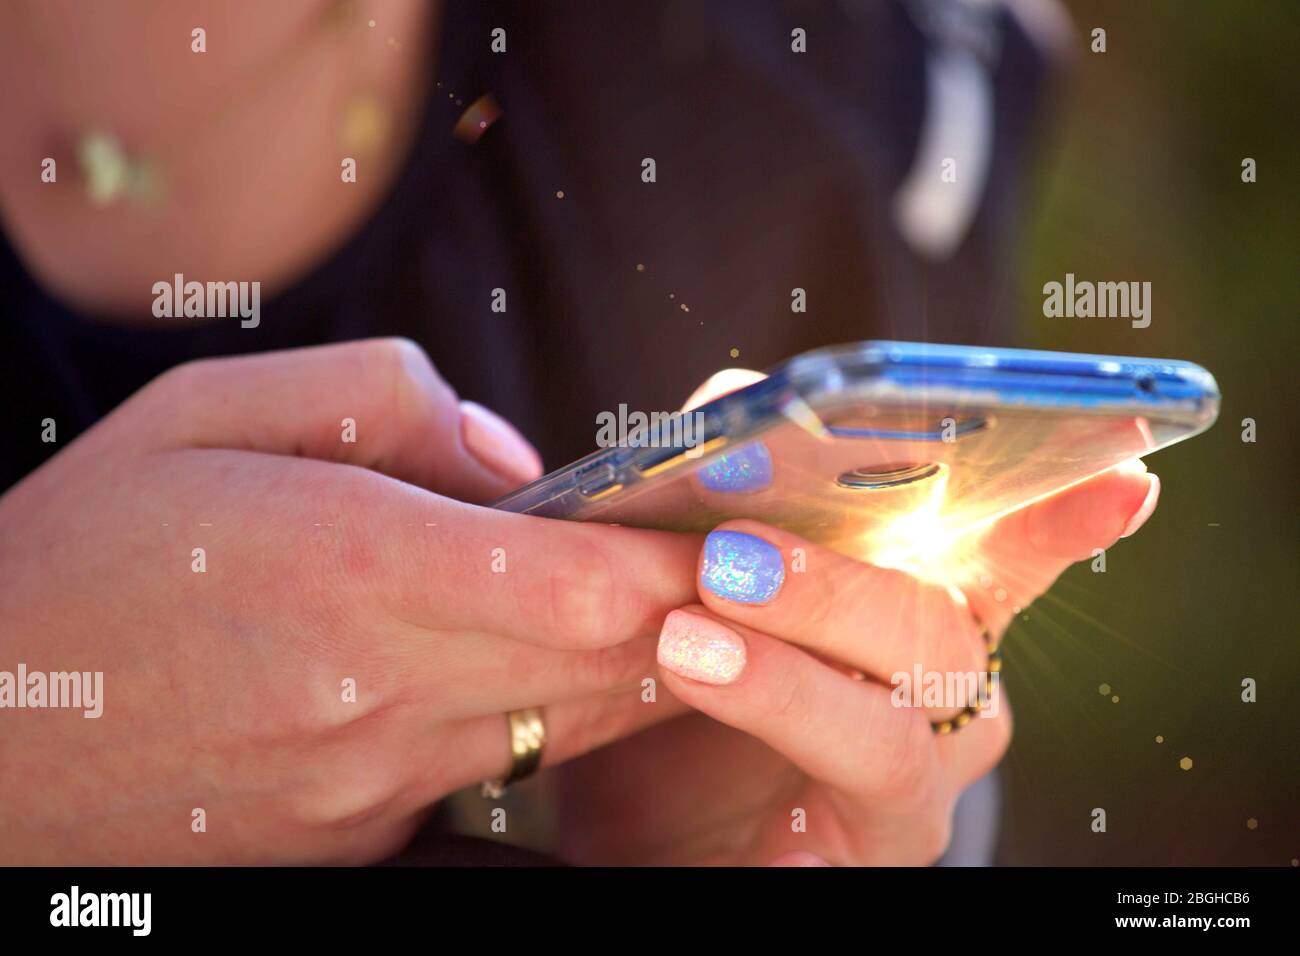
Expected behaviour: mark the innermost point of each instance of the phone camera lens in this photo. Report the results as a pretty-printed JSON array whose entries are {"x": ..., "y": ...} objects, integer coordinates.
[{"x": 886, "y": 476}]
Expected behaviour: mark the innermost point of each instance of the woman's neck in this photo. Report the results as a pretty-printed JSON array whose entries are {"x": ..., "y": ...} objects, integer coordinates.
[{"x": 249, "y": 138}]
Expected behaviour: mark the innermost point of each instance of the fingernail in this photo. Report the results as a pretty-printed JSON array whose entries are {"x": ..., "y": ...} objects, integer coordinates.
[
  {"x": 747, "y": 469},
  {"x": 497, "y": 446},
  {"x": 741, "y": 567},
  {"x": 700, "y": 648},
  {"x": 1148, "y": 505}
]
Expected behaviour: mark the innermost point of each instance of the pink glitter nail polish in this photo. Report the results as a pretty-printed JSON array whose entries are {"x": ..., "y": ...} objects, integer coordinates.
[{"x": 701, "y": 648}]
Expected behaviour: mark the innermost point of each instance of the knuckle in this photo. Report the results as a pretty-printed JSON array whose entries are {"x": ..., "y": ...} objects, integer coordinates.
[
  {"x": 817, "y": 613},
  {"x": 353, "y": 780},
  {"x": 335, "y": 701},
  {"x": 184, "y": 379},
  {"x": 580, "y": 599},
  {"x": 419, "y": 400},
  {"x": 408, "y": 367},
  {"x": 348, "y": 801},
  {"x": 399, "y": 353},
  {"x": 1029, "y": 526},
  {"x": 787, "y": 701}
]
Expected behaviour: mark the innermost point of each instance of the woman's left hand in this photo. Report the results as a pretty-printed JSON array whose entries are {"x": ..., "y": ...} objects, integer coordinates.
[{"x": 805, "y": 760}]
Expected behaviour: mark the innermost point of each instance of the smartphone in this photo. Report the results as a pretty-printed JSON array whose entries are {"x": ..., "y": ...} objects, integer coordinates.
[{"x": 882, "y": 450}]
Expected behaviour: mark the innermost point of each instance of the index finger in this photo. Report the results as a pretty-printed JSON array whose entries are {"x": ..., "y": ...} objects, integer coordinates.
[
  {"x": 1020, "y": 556},
  {"x": 446, "y": 565}
]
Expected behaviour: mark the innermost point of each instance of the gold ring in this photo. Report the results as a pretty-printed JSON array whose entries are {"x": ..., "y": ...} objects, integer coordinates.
[
  {"x": 527, "y": 740},
  {"x": 993, "y": 666}
]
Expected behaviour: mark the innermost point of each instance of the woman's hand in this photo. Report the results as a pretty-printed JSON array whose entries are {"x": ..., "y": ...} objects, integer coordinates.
[
  {"x": 339, "y": 653},
  {"x": 815, "y": 762}
]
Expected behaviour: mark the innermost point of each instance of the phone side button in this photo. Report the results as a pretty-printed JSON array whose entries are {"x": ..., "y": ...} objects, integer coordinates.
[{"x": 600, "y": 483}]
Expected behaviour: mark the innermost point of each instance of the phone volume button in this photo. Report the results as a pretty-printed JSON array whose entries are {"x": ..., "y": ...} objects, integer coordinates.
[{"x": 599, "y": 482}]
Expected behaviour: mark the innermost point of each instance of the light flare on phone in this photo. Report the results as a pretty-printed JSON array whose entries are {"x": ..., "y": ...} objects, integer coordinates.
[{"x": 924, "y": 542}]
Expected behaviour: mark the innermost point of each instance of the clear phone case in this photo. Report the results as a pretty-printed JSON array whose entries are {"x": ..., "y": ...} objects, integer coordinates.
[{"x": 883, "y": 450}]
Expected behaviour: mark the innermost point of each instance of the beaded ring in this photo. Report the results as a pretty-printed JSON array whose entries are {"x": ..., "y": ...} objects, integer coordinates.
[{"x": 993, "y": 666}]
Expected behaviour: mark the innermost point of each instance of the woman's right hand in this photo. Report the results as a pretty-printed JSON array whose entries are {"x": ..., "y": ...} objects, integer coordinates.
[{"x": 326, "y": 565}]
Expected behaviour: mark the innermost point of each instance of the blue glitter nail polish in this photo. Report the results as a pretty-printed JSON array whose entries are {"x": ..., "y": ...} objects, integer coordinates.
[
  {"x": 741, "y": 567},
  {"x": 746, "y": 469}
]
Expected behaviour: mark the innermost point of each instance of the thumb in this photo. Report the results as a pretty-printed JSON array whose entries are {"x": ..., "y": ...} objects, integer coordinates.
[
  {"x": 378, "y": 403},
  {"x": 722, "y": 383}
]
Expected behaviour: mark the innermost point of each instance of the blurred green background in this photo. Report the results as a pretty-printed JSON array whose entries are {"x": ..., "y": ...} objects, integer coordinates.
[{"x": 1142, "y": 181}]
